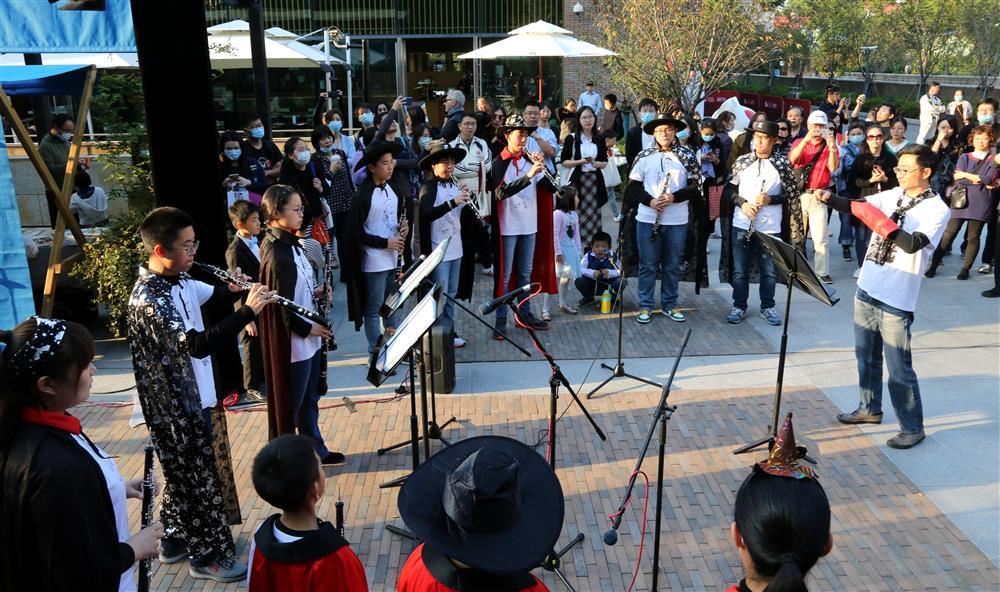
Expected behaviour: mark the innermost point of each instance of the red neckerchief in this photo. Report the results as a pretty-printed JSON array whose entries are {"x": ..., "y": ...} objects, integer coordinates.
[
  {"x": 52, "y": 419},
  {"x": 506, "y": 154}
]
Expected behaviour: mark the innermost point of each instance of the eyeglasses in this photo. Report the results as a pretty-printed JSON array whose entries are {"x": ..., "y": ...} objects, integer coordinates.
[
  {"x": 901, "y": 172},
  {"x": 298, "y": 210},
  {"x": 188, "y": 249},
  {"x": 876, "y": 137}
]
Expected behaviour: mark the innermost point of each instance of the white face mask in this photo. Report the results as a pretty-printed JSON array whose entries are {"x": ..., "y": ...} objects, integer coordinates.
[{"x": 303, "y": 157}]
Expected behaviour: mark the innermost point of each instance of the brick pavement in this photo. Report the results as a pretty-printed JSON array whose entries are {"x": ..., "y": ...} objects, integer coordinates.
[
  {"x": 887, "y": 534},
  {"x": 591, "y": 334}
]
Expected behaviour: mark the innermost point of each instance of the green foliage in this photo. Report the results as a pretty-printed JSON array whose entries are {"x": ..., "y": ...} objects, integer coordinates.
[{"x": 110, "y": 266}]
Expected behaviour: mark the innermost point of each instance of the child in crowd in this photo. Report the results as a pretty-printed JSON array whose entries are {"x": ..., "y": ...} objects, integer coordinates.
[
  {"x": 597, "y": 270},
  {"x": 88, "y": 203},
  {"x": 566, "y": 240},
  {"x": 243, "y": 254},
  {"x": 295, "y": 550},
  {"x": 781, "y": 523}
]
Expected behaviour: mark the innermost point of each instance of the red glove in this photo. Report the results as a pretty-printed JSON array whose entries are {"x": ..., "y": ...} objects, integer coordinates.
[{"x": 873, "y": 218}]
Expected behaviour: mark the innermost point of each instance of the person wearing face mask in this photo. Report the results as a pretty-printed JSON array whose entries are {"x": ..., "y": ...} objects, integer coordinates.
[
  {"x": 333, "y": 163},
  {"x": 406, "y": 160},
  {"x": 260, "y": 148},
  {"x": 960, "y": 108},
  {"x": 334, "y": 121},
  {"x": 239, "y": 174},
  {"x": 367, "y": 120},
  {"x": 986, "y": 114},
  {"x": 637, "y": 140},
  {"x": 299, "y": 171},
  {"x": 54, "y": 149}
]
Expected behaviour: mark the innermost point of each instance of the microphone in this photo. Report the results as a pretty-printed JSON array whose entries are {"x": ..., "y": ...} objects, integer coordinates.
[
  {"x": 496, "y": 303},
  {"x": 611, "y": 537}
]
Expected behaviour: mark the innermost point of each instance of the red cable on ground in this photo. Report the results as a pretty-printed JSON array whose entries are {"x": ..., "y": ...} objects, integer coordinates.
[{"x": 642, "y": 537}]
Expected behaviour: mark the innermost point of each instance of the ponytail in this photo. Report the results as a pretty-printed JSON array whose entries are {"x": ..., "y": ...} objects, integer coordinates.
[{"x": 789, "y": 577}]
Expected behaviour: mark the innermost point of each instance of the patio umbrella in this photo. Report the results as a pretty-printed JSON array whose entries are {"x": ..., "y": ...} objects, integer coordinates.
[
  {"x": 103, "y": 61},
  {"x": 539, "y": 39},
  {"x": 229, "y": 48}
]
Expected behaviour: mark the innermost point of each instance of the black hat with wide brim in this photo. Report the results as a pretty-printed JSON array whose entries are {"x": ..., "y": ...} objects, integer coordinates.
[
  {"x": 454, "y": 504},
  {"x": 514, "y": 122},
  {"x": 375, "y": 151},
  {"x": 437, "y": 150},
  {"x": 765, "y": 127},
  {"x": 663, "y": 120}
]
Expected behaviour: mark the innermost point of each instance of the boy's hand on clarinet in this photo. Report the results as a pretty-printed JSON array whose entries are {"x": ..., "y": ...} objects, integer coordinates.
[
  {"x": 320, "y": 331},
  {"x": 395, "y": 244},
  {"x": 240, "y": 276},
  {"x": 146, "y": 542},
  {"x": 251, "y": 329},
  {"x": 259, "y": 297},
  {"x": 133, "y": 488}
]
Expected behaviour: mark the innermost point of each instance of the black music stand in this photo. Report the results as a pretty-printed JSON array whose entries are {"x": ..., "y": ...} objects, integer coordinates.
[
  {"x": 618, "y": 370},
  {"x": 793, "y": 266}
]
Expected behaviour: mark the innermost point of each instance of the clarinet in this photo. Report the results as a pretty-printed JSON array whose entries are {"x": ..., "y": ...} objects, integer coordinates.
[
  {"x": 545, "y": 171},
  {"x": 146, "y": 565},
  {"x": 472, "y": 204},
  {"x": 399, "y": 255},
  {"x": 753, "y": 222},
  {"x": 339, "y": 507},
  {"x": 279, "y": 300}
]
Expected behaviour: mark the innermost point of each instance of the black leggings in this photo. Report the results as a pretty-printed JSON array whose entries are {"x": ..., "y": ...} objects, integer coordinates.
[{"x": 971, "y": 250}]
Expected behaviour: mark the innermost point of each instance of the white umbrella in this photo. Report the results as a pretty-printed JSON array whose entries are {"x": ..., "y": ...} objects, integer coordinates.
[
  {"x": 229, "y": 48},
  {"x": 103, "y": 61},
  {"x": 539, "y": 39}
]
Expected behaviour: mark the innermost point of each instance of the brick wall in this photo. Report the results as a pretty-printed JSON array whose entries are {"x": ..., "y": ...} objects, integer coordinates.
[{"x": 577, "y": 71}]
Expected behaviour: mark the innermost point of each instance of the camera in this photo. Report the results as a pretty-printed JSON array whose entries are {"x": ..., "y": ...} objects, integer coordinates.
[{"x": 438, "y": 95}]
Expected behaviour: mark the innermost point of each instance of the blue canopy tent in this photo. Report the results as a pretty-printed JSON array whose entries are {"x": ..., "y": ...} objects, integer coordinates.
[{"x": 16, "y": 302}]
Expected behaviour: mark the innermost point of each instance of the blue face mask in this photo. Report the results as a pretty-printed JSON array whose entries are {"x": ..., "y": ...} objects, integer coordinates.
[
  {"x": 336, "y": 125},
  {"x": 985, "y": 119},
  {"x": 367, "y": 118},
  {"x": 683, "y": 134},
  {"x": 66, "y": 136},
  {"x": 855, "y": 139},
  {"x": 303, "y": 157},
  {"x": 705, "y": 138},
  {"x": 326, "y": 149},
  {"x": 232, "y": 154},
  {"x": 646, "y": 117},
  {"x": 257, "y": 132},
  {"x": 424, "y": 141}
]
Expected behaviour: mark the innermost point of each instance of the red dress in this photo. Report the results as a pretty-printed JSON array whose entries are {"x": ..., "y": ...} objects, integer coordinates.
[
  {"x": 429, "y": 571},
  {"x": 320, "y": 561}
]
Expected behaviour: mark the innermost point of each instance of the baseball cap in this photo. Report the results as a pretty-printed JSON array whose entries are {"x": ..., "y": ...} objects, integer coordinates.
[{"x": 818, "y": 117}]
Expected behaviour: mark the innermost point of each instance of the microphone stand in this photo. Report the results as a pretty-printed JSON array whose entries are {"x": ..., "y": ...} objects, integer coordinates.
[
  {"x": 553, "y": 560},
  {"x": 618, "y": 371},
  {"x": 661, "y": 415}
]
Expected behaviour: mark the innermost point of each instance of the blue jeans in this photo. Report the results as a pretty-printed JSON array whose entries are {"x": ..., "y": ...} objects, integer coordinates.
[
  {"x": 378, "y": 285},
  {"x": 862, "y": 234},
  {"x": 880, "y": 329},
  {"x": 590, "y": 289},
  {"x": 664, "y": 253},
  {"x": 305, "y": 400},
  {"x": 846, "y": 236},
  {"x": 518, "y": 250},
  {"x": 742, "y": 254},
  {"x": 446, "y": 275}
]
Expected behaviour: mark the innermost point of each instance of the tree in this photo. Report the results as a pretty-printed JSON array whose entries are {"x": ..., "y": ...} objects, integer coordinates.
[
  {"x": 925, "y": 28},
  {"x": 682, "y": 50},
  {"x": 984, "y": 35}
]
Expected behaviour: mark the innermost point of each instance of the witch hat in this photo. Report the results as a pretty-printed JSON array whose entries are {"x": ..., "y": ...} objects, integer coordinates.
[{"x": 784, "y": 458}]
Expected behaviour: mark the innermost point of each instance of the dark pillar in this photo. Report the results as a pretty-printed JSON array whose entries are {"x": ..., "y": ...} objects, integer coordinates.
[
  {"x": 261, "y": 91},
  {"x": 180, "y": 122},
  {"x": 40, "y": 108}
]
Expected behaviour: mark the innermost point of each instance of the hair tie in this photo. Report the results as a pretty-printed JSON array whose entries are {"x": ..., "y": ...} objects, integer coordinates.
[
  {"x": 40, "y": 348},
  {"x": 788, "y": 558}
]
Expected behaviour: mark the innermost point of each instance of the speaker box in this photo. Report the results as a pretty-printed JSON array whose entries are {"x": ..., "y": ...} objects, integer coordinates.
[{"x": 442, "y": 365}]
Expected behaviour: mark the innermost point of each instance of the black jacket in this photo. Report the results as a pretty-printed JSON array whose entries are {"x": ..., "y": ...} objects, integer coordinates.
[
  {"x": 449, "y": 131},
  {"x": 633, "y": 144},
  {"x": 612, "y": 124},
  {"x": 303, "y": 182},
  {"x": 238, "y": 254}
]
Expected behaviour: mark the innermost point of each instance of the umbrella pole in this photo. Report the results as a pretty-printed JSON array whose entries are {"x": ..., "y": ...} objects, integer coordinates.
[{"x": 539, "y": 79}]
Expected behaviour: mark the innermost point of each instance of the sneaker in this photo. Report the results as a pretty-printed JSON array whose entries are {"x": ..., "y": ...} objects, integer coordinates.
[
  {"x": 221, "y": 570},
  {"x": 991, "y": 293},
  {"x": 546, "y": 316},
  {"x": 488, "y": 271},
  {"x": 458, "y": 343},
  {"x": 856, "y": 274},
  {"x": 675, "y": 315},
  {"x": 859, "y": 416},
  {"x": 644, "y": 316},
  {"x": 736, "y": 315},
  {"x": 248, "y": 398},
  {"x": 986, "y": 268},
  {"x": 846, "y": 256},
  {"x": 586, "y": 301},
  {"x": 963, "y": 274},
  {"x": 334, "y": 458},
  {"x": 771, "y": 316},
  {"x": 826, "y": 279},
  {"x": 904, "y": 440},
  {"x": 715, "y": 235},
  {"x": 500, "y": 326},
  {"x": 536, "y": 323},
  {"x": 618, "y": 218},
  {"x": 172, "y": 551}
]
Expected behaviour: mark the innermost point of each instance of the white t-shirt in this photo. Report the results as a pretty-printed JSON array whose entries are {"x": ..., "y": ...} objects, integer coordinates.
[
  {"x": 449, "y": 225},
  {"x": 519, "y": 212},
  {"x": 647, "y": 140},
  {"x": 897, "y": 282},
  {"x": 549, "y": 136},
  {"x": 116, "y": 490},
  {"x": 383, "y": 221},
  {"x": 304, "y": 348},
  {"x": 92, "y": 210},
  {"x": 189, "y": 295},
  {"x": 760, "y": 177},
  {"x": 661, "y": 172}
]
